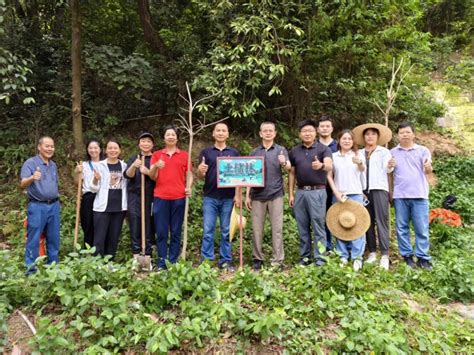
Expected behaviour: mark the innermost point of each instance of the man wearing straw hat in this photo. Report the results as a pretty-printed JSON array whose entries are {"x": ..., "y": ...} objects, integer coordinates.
[
  {"x": 412, "y": 162},
  {"x": 372, "y": 136},
  {"x": 310, "y": 162},
  {"x": 270, "y": 197}
]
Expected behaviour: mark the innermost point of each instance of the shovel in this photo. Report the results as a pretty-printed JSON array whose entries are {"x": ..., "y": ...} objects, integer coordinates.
[{"x": 144, "y": 261}]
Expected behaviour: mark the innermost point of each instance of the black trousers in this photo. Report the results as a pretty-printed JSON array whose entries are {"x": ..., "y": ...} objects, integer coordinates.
[
  {"x": 135, "y": 223},
  {"x": 379, "y": 209},
  {"x": 87, "y": 217},
  {"x": 108, "y": 226}
]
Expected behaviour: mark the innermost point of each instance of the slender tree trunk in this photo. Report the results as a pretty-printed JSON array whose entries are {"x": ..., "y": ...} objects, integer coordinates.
[{"x": 76, "y": 76}]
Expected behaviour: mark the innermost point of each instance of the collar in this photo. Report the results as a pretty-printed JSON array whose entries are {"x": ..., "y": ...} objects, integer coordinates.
[
  {"x": 414, "y": 147},
  {"x": 350, "y": 153},
  {"x": 332, "y": 142},
  {"x": 164, "y": 151},
  {"x": 311, "y": 146},
  {"x": 273, "y": 146},
  {"x": 220, "y": 150},
  {"x": 41, "y": 161}
]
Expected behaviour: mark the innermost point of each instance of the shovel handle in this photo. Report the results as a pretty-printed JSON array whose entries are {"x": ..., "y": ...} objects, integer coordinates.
[
  {"x": 78, "y": 208},
  {"x": 142, "y": 205}
]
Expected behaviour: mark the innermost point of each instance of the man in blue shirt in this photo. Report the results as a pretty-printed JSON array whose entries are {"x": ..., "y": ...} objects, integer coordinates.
[
  {"x": 216, "y": 202},
  {"x": 39, "y": 175}
]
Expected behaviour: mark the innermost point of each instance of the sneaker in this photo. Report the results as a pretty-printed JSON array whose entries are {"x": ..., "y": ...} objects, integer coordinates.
[
  {"x": 409, "y": 261},
  {"x": 424, "y": 264},
  {"x": 305, "y": 262},
  {"x": 357, "y": 265},
  {"x": 344, "y": 261},
  {"x": 384, "y": 262},
  {"x": 372, "y": 258},
  {"x": 257, "y": 265},
  {"x": 227, "y": 266}
]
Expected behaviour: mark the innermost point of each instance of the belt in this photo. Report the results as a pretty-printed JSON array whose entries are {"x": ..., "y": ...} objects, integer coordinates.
[
  {"x": 312, "y": 187},
  {"x": 48, "y": 202}
]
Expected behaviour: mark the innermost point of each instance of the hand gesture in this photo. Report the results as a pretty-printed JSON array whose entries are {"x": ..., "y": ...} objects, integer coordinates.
[
  {"x": 37, "y": 174},
  {"x": 97, "y": 176},
  {"x": 392, "y": 163},
  {"x": 340, "y": 196},
  {"x": 356, "y": 160},
  {"x": 144, "y": 170},
  {"x": 78, "y": 169},
  {"x": 160, "y": 164},
  {"x": 316, "y": 164},
  {"x": 282, "y": 158},
  {"x": 137, "y": 163},
  {"x": 203, "y": 167}
]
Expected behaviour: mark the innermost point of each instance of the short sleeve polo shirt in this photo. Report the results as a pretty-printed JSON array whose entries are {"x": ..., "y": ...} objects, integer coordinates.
[
  {"x": 47, "y": 187},
  {"x": 273, "y": 174},
  {"x": 301, "y": 158},
  {"x": 171, "y": 180},
  {"x": 211, "y": 154}
]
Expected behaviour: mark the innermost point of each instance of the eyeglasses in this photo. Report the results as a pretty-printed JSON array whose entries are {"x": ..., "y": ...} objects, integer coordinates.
[{"x": 308, "y": 131}]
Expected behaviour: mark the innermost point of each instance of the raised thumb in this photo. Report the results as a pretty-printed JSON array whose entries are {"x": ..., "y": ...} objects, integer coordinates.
[
  {"x": 204, "y": 160},
  {"x": 38, "y": 168}
]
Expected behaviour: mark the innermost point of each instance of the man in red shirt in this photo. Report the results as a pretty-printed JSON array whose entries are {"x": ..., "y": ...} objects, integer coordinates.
[{"x": 169, "y": 167}]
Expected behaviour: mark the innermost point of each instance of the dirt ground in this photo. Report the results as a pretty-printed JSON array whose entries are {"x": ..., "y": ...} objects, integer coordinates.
[{"x": 18, "y": 334}]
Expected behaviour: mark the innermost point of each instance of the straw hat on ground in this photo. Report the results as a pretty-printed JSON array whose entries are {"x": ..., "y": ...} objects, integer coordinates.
[
  {"x": 348, "y": 220},
  {"x": 234, "y": 222},
  {"x": 385, "y": 134}
]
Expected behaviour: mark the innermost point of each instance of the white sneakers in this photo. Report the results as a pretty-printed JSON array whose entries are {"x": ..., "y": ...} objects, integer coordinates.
[
  {"x": 372, "y": 258},
  {"x": 357, "y": 265},
  {"x": 344, "y": 261},
  {"x": 384, "y": 262}
]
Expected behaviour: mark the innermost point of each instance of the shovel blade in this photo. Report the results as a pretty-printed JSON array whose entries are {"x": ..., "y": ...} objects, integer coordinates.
[{"x": 144, "y": 262}]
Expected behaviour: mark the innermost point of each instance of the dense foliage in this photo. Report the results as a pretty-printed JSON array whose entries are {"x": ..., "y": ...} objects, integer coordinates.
[
  {"x": 91, "y": 305},
  {"x": 280, "y": 59}
]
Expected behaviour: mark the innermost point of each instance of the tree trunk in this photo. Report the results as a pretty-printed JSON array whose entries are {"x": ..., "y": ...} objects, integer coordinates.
[
  {"x": 151, "y": 36},
  {"x": 76, "y": 76}
]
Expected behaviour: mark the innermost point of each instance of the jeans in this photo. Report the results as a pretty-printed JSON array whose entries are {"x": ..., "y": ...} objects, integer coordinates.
[
  {"x": 42, "y": 217},
  {"x": 213, "y": 208},
  {"x": 310, "y": 211},
  {"x": 354, "y": 248},
  {"x": 169, "y": 217},
  {"x": 416, "y": 210}
]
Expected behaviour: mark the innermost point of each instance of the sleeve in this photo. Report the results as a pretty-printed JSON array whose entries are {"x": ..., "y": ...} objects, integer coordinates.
[
  {"x": 292, "y": 158},
  {"x": 385, "y": 159},
  {"x": 327, "y": 153},
  {"x": 26, "y": 170},
  {"x": 154, "y": 157},
  {"x": 426, "y": 155},
  {"x": 363, "y": 174},
  {"x": 129, "y": 163}
]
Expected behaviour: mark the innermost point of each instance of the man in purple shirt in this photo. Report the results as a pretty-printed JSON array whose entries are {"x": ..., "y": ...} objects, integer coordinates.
[{"x": 412, "y": 162}]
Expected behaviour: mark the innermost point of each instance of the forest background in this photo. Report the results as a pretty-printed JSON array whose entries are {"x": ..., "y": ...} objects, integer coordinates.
[{"x": 278, "y": 60}]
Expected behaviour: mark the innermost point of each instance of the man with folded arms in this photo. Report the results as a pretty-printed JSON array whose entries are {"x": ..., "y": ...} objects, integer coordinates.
[
  {"x": 310, "y": 162},
  {"x": 39, "y": 176}
]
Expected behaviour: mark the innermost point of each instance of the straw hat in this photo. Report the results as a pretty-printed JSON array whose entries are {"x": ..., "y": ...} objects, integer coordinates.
[
  {"x": 385, "y": 134},
  {"x": 348, "y": 220},
  {"x": 234, "y": 222}
]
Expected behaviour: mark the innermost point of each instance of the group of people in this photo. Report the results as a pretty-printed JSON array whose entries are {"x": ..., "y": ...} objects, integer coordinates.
[{"x": 321, "y": 172}]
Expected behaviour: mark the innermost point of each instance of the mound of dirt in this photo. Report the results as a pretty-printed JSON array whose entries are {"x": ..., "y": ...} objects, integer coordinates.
[{"x": 437, "y": 143}]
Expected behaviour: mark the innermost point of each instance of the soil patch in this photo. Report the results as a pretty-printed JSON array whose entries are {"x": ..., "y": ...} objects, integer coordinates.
[{"x": 19, "y": 334}]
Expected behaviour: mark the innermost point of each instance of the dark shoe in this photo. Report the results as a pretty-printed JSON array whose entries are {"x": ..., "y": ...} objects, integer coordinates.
[
  {"x": 409, "y": 261},
  {"x": 328, "y": 252},
  {"x": 320, "y": 262},
  {"x": 424, "y": 264},
  {"x": 257, "y": 265},
  {"x": 305, "y": 262}
]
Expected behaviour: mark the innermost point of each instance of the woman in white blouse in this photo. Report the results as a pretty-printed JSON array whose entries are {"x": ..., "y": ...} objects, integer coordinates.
[
  {"x": 86, "y": 168},
  {"x": 347, "y": 181}
]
